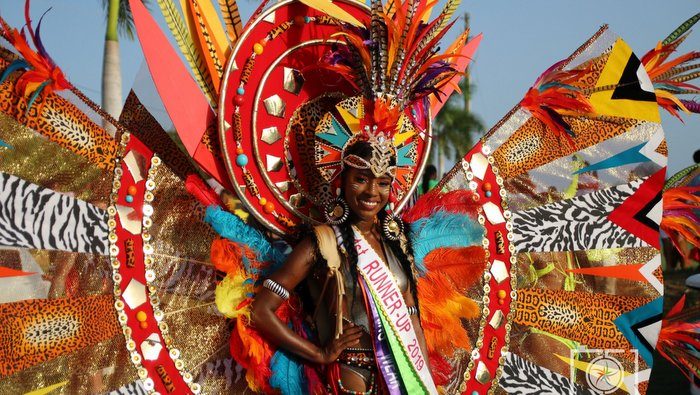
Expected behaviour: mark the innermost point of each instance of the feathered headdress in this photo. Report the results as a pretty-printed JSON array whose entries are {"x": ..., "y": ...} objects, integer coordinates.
[{"x": 394, "y": 64}]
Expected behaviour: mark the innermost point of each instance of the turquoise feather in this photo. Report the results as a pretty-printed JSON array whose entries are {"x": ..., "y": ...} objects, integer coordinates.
[
  {"x": 19, "y": 64},
  {"x": 231, "y": 227},
  {"x": 443, "y": 229},
  {"x": 287, "y": 374}
]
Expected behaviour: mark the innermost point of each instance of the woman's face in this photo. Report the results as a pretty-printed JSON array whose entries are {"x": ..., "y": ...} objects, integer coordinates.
[{"x": 365, "y": 194}]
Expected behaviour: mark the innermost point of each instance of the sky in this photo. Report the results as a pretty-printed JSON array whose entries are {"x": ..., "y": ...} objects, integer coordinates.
[{"x": 521, "y": 39}]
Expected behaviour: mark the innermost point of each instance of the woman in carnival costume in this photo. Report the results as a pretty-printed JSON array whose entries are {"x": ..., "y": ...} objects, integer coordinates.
[{"x": 317, "y": 115}]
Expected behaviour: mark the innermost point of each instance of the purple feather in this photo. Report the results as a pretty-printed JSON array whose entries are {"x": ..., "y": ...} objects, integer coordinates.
[
  {"x": 691, "y": 105},
  {"x": 39, "y": 45}
]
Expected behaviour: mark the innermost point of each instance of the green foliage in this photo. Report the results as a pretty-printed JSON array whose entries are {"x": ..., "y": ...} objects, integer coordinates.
[
  {"x": 125, "y": 20},
  {"x": 454, "y": 124}
]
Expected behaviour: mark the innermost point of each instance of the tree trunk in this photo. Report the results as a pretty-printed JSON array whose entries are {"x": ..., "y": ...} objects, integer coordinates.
[{"x": 111, "y": 71}]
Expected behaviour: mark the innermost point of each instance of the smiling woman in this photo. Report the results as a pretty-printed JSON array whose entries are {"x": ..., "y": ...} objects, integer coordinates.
[{"x": 363, "y": 257}]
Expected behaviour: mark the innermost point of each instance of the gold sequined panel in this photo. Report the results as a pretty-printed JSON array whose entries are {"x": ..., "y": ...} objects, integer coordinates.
[
  {"x": 532, "y": 145},
  {"x": 38, "y": 160},
  {"x": 61, "y": 122},
  {"x": 98, "y": 369},
  {"x": 186, "y": 281}
]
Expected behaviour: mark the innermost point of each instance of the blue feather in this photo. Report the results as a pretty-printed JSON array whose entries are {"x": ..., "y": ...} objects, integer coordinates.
[
  {"x": 287, "y": 374},
  {"x": 443, "y": 229},
  {"x": 14, "y": 66},
  {"x": 231, "y": 227},
  {"x": 5, "y": 145},
  {"x": 36, "y": 94}
]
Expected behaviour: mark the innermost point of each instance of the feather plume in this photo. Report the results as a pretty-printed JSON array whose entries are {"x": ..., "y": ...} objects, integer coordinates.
[
  {"x": 211, "y": 52},
  {"x": 442, "y": 309},
  {"x": 328, "y": 8},
  {"x": 458, "y": 201},
  {"x": 288, "y": 374},
  {"x": 233, "y": 228},
  {"x": 684, "y": 27},
  {"x": 667, "y": 75},
  {"x": 555, "y": 94},
  {"x": 232, "y": 18},
  {"x": 182, "y": 36},
  {"x": 41, "y": 76},
  {"x": 442, "y": 230},
  {"x": 440, "y": 369},
  {"x": 253, "y": 353},
  {"x": 679, "y": 339},
  {"x": 447, "y": 12},
  {"x": 463, "y": 266},
  {"x": 680, "y": 220}
]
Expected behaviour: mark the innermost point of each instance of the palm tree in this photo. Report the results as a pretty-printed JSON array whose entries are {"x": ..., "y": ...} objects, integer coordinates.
[
  {"x": 119, "y": 20},
  {"x": 454, "y": 125}
]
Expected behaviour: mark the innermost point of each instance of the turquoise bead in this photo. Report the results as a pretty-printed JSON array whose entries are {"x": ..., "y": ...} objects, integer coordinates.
[
  {"x": 488, "y": 194},
  {"x": 307, "y": 19},
  {"x": 241, "y": 160},
  {"x": 240, "y": 91},
  {"x": 129, "y": 199}
]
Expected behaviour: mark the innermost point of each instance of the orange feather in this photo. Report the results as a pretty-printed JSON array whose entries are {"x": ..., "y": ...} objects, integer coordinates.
[
  {"x": 442, "y": 310},
  {"x": 462, "y": 265}
]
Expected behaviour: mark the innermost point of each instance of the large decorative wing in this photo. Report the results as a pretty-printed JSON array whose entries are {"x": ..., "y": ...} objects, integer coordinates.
[{"x": 567, "y": 188}]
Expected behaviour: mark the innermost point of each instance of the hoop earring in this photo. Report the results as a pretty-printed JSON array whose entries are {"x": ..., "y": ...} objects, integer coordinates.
[
  {"x": 392, "y": 226},
  {"x": 337, "y": 213}
]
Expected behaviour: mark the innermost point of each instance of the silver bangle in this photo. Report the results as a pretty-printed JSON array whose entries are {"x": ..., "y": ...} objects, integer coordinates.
[
  {"x": 412, "y": 310},
  {"x": 276, "y": 289}
]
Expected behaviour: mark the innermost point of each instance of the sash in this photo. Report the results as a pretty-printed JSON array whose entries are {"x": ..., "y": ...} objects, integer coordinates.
[{"x": 396, "y": 325}]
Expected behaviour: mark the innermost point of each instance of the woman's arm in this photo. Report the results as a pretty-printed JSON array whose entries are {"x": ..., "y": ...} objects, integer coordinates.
[
  {"x": 415, "y": 320},
  {"x": 294, "y": 271}
]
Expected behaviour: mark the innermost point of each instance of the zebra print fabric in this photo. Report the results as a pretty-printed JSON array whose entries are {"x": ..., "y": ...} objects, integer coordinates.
[
  {"x": 575, "y": 224},
  {"x": 35, "y": 217},
  {"x": 135, "y": 388},
  {"x": 523, "y": 377}
]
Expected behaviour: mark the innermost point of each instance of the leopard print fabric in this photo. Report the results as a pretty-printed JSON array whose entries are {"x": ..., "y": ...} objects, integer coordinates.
[
  {"x": 576, "y": 315},
  {"x": 38, "y": 330},
  {"x": 61, "y": 122},
  {"x": 532, "y": 145}
]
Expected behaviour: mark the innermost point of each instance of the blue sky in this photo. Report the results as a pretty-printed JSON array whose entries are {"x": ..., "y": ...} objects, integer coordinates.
[{"x": 521, "y": 39}]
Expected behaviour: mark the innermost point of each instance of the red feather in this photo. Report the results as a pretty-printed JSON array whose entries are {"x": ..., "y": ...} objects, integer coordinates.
[
  {"x": 462, "y": 265},
  {"x": 440, "y": 369},
  {"x": 459, "y": 201}
]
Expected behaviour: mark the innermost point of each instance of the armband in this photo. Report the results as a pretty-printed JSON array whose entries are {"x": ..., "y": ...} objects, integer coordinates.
[{"x": 276, "y": 289}]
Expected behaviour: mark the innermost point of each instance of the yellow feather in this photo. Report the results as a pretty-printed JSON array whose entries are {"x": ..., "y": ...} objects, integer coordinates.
[
  {"x": 208, "y": 48},
  {"x": 217, "y": 29},
  {"x": 232, "y": 17},
  {"x": 330, "y": 9},
  {"x": 183, "y": 38}
]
